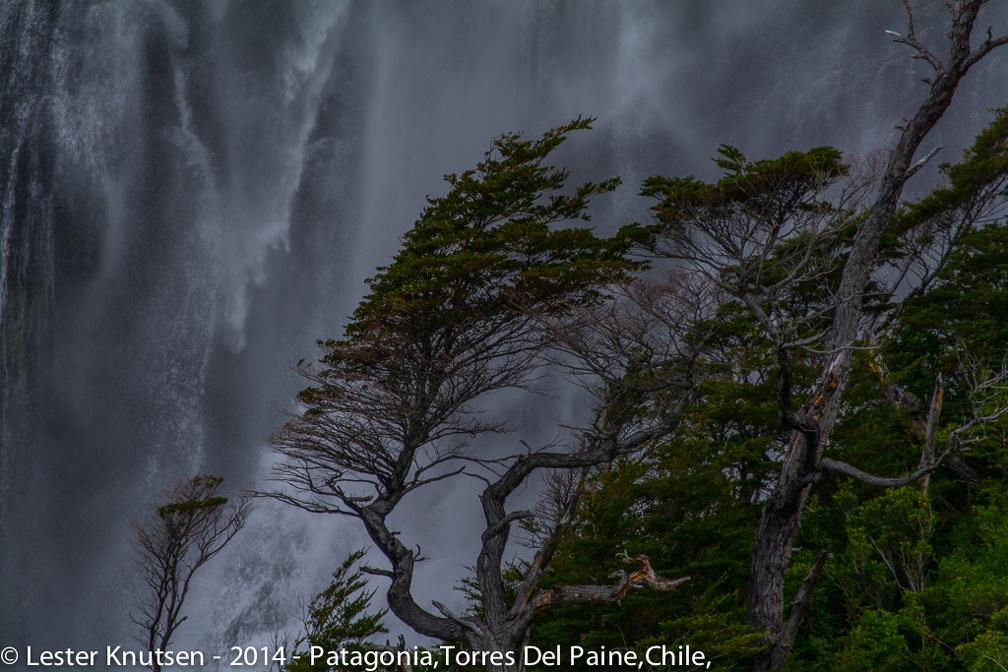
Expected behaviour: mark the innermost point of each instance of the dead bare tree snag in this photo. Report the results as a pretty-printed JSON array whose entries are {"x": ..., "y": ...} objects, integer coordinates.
[
  {"x": 782, "y": 514},
  {"x": 734, "y": 232}
]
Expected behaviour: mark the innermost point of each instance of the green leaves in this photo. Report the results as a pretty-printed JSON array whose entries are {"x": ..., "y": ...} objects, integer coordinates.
[
  {"x": 755, "y": 186},
  {"x": 201, "y": 497},
  {"x": 339, "y": 617},
  {"x": 691, "y": 506},
  {"x": 981, "y": 176},
  {"x": 489, "y": 249},
  {"x": 459, "y": 313}
]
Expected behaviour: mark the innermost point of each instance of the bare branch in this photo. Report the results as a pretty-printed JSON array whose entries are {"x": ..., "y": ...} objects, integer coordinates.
[
  {"x": 447, "y": 613},
  {"x": 912, "y": 170},
  {"x": 911, "y": 40},
  {"x": 374, "y": 571},
  {"x": 957, "y": 440},
  {"x": 642, "y": 576},
  {"x": 930, "y": 433},
  {"x": 506, "y": 521}
]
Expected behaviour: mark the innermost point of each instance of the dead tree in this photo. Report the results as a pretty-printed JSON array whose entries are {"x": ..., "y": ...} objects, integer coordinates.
[
  {"x": 187, "y": 532},
  {"x": 771, "y": 227}
]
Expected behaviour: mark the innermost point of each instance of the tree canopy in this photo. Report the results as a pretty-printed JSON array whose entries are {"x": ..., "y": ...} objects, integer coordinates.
[{"x": 794, "y": 419}]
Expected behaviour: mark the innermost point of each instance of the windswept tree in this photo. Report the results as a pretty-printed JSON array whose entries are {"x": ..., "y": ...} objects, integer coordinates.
[
  {"x": 182, "y": 536},
  {"x": 818, "y": 273},
  {"x": 471, "y": 306}
]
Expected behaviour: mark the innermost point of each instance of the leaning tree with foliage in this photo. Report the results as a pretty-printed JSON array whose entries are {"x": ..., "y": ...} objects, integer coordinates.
[
  {"x": 338, "y": 618},
  {"x": 772, "y": 235},
  {"x": 470, "y": 307}
]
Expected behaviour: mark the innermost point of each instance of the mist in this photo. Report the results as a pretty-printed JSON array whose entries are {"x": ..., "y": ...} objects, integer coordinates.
[{"x": 194, "y": 192}]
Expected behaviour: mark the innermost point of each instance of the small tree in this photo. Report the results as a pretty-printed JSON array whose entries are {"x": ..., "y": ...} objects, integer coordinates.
[
  {"x": 339, "y": 617},
  {"x": 183, "y": 535}
]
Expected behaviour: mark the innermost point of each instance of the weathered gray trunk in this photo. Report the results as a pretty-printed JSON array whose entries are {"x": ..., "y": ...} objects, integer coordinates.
[{"x": 780, "y": 520}]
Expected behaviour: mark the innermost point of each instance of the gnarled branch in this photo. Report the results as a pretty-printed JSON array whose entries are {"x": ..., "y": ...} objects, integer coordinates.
[{"x": 643, "y": 575}]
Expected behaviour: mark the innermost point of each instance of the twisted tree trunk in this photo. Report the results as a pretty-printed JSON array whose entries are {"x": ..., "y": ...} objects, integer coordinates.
[{"x": 780, "y": 519}]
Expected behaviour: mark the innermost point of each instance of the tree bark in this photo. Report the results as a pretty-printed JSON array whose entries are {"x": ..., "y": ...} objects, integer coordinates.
[{"x": 780, "y": 519}]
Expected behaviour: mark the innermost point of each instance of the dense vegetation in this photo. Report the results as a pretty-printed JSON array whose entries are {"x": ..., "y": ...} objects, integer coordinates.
[
  {"x": 917, "y": 574},
  {"x": 794, "y": 452}
]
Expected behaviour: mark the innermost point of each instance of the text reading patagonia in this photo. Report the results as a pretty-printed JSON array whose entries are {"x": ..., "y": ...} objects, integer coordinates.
[{"x": 681, "y": 656}]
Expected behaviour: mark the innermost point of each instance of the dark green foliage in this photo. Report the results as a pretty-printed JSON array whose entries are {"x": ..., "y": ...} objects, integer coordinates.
[
  {"x": 917, "y": 577},
  {"x": 178, "y": 513},
  {"x": 966, "y": 310},
  {"x": 980, "y": 177},
  {"x": 488, "y": 250},
  {"x": 967, "y": 305},
  {"x": 691, "y": 506},
  {"x": 481, "y": 265},
  {"x": 758, "y": 187},
  {"x": 772, "y": 232},
  {"x": 869, "y": 617}
]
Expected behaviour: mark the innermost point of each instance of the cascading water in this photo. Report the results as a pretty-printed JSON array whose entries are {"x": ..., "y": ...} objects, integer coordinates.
[
  {"x": 191, "y": 193},
  {"x": 171, "y": 163}
]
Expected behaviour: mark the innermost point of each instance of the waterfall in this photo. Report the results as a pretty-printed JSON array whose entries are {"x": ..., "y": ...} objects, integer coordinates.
[
  {"x": 153, "y": 174},
  {"x": 192, "y": 193}
]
